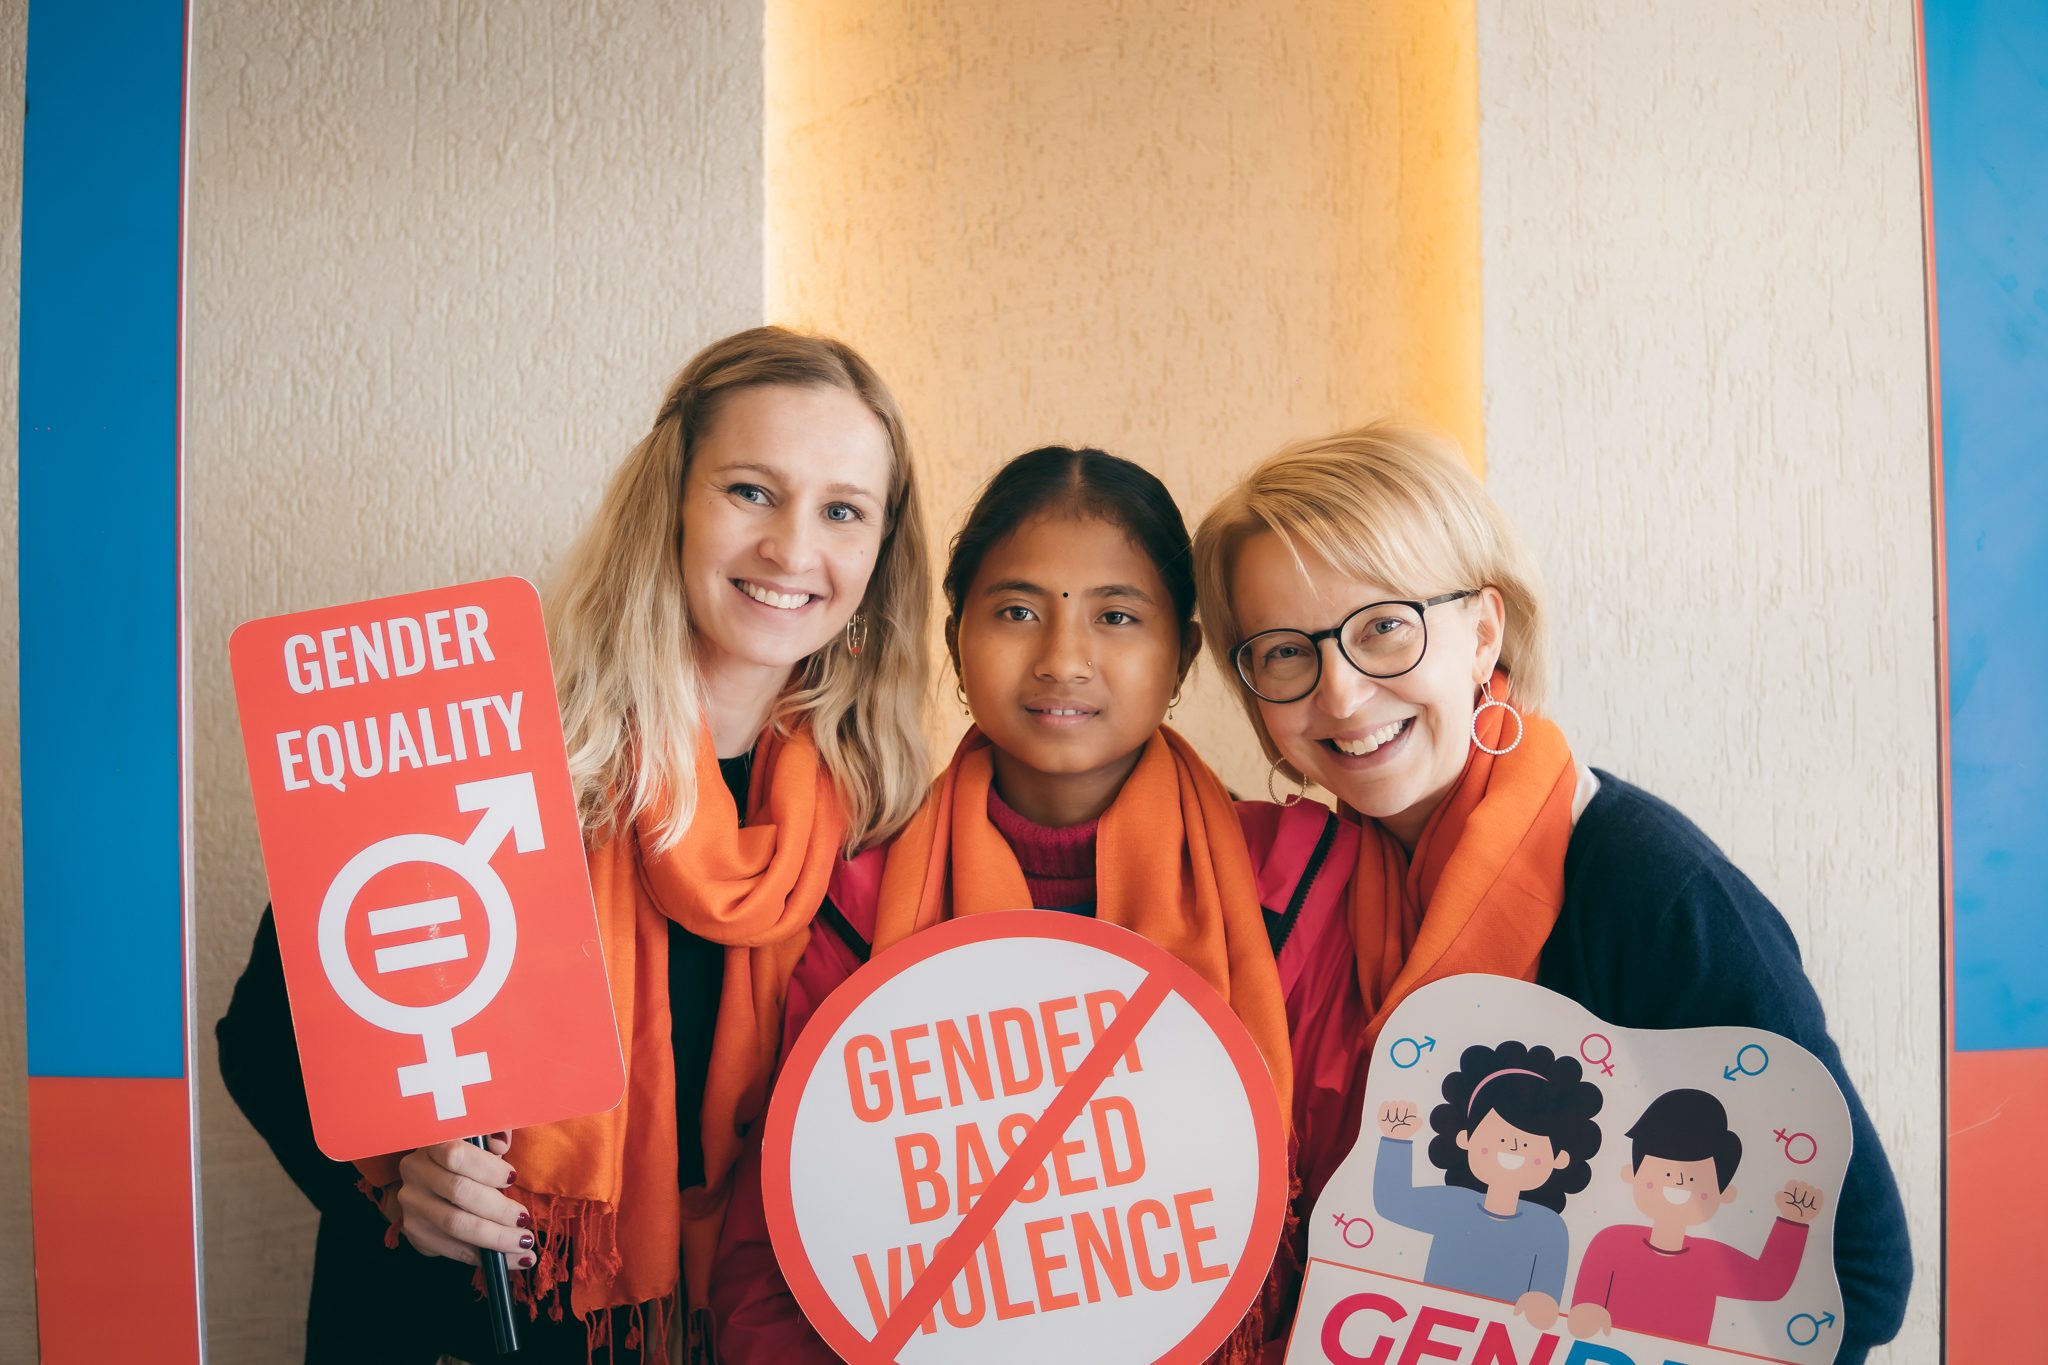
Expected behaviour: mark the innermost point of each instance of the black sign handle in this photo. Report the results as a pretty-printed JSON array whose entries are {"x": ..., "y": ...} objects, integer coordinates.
[{"x": 498, "y": 1289}]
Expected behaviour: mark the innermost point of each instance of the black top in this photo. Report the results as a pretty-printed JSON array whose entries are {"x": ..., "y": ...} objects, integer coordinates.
[
  {"x": 369, "y": 1303},
  {"x": 696, "y": 975},
  {"x": 393, "y": 1306},
  {"x": 1645, "y": 888}
]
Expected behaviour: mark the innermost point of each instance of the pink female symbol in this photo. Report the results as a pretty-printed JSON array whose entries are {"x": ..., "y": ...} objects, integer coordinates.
[
  {"x": 1792, "y": 1142},
  {"x": 1345, "y": 1226},
  {"x": 1603, "y": 1060}
]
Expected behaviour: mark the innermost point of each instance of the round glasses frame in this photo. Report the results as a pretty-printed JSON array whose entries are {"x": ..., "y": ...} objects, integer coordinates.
[{"x": 1315, "y": 638}]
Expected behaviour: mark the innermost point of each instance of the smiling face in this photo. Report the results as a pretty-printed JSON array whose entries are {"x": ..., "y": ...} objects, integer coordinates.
[
  {"x": 1676, "y": 1195},
  {"x": 1069, "y": 650},
  {"x": 784, "y": 505},
  {"x": 1502, "y": 1156},
  {"x": 1391, "y": 748}
]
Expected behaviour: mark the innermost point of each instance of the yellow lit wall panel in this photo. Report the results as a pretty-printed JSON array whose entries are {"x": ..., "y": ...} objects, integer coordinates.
[{"x": 1184, "y": 232}]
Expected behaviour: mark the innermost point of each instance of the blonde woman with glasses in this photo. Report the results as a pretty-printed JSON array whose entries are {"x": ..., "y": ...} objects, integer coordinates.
[{"x": 1390, "y": 644}]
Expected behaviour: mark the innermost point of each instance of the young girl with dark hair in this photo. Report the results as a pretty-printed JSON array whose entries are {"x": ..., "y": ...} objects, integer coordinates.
[
  {"x": 1515, "y": 1129},
  {"x": 1071, "y": 627}
]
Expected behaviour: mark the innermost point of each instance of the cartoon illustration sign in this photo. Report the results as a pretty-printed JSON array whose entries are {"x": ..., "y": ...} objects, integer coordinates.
[
  {"x": 1535, "y": 1186},
  {"x": 426, "y": 866},
  {"x": 1025, "y": 1136}
]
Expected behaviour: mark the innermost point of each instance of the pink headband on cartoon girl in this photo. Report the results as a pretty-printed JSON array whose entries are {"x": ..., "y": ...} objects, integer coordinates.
[{"x": 1504, "y": 1071}]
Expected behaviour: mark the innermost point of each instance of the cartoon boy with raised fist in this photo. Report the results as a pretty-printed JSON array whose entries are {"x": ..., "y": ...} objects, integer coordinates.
[{"x": 1657, "y": 1278}]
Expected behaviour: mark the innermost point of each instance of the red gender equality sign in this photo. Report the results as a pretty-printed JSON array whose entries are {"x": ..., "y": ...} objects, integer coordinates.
[{"x": 427, "y": 867}]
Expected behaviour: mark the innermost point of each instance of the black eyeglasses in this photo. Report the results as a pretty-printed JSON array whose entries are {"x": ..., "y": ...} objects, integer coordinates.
[{"x": 1380, "y": 640}]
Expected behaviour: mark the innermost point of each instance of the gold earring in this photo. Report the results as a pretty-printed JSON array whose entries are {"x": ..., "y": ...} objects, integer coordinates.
[{"x": 1294, "y": 798}]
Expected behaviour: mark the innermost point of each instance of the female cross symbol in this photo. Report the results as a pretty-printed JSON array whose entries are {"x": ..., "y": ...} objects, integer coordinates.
[{"x": 1604, "y": 1060}]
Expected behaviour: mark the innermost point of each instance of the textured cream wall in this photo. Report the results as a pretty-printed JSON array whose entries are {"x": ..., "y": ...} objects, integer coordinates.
[
  {"x": 17, "y": 1270},
  {"x": 1174, "y": 229},
  {"x": 443, "y": 258},
  {"x": 1707, "y": 407}
]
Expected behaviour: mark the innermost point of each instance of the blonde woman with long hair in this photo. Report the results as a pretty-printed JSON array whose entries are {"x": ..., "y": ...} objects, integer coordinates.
[{"x": 740, "y": 653}]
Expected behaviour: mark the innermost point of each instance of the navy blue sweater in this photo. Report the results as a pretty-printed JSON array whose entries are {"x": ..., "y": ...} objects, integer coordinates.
[{"x": 1643, "y": 887}]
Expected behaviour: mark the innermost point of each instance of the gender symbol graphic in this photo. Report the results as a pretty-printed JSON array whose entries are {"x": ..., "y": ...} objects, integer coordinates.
[
  {"x": 509, "y": 807},
  {"x": 1794, "y": 1153},
  {"x": 1347, "y": 1227},
  {"x": 1750, "y": 1060},
  {"x": 1415, "y": 1050},
  {"x": 1803, "y": 1329},
  {"x": 1605, "y": 1060}
]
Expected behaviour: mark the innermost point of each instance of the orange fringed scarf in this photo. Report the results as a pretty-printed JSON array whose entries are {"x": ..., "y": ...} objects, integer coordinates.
[
  {"x": 602, "y": 1188},
  {"x": 1170, "y": 863},
  {"x": 1486, "y": 881}
]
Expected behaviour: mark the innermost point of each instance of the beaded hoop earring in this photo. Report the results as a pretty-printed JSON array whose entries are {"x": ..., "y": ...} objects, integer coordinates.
[
  {"x": 1486, "y": 691},
  {"x": 1294, "y": 798}
]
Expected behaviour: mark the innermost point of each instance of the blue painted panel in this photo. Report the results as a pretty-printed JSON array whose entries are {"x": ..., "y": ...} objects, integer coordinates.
[
  {"x": 1987, "y": 106},
  {"x": 100, "y": 255}
]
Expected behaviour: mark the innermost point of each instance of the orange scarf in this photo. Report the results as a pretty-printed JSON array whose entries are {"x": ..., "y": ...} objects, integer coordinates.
[
  {"x": 1486, "y": 881},
  {"x": 602, "y": 1188},
  {"x": 1170, "y": 863}
]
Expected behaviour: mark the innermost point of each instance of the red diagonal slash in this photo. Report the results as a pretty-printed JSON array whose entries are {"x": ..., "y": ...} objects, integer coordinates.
[{"x": 951, "y": 1255}]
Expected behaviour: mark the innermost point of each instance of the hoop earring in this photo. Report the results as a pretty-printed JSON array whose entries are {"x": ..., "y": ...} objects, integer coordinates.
[
  {"x": 960, "y": 691},
  {"x": 1172, "y": 702},
  {"x": 1294, "y": 798},
  {"x": 856, "y": 633},
  {"x": 1486, "y": 690}
]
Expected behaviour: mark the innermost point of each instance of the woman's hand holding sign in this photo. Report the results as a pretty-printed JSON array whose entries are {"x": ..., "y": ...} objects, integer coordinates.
[{"x": 452, "y": 1202}]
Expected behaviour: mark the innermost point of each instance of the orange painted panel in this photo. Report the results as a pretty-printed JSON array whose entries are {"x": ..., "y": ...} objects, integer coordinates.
[
  {"x": 1996, "y": 1211},
  {"x": 116, "y": 1272}
]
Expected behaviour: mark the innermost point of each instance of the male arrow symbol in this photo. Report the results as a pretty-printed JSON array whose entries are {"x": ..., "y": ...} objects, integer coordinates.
[{"x": 509, "y": 806}]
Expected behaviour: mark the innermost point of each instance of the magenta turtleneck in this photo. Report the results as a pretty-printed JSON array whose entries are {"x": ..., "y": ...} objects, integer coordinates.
[{"x": 1058, "y": 864}]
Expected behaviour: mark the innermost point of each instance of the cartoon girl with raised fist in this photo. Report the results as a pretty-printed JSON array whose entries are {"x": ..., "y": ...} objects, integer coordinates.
[{"x": 1512, "y": 1137}]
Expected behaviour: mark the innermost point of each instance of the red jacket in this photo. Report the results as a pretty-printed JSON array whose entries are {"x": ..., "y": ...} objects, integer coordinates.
[{"x": 1302, "y": 857}]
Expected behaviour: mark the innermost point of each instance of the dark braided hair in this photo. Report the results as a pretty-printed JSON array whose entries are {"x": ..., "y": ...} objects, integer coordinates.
[{"x": 1088, "y": 483}]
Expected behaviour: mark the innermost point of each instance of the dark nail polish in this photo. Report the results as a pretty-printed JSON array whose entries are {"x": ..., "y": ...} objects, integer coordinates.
[
  {"x": 525, "y": 1221},
  {"x": 511, "y": 1176},
  {"x": 526, "y": 1262},
  {"x": 526, "y": 1241}
]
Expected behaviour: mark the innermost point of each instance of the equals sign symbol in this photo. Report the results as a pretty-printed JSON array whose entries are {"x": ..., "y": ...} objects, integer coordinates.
[{"x": 423, "y": 952}]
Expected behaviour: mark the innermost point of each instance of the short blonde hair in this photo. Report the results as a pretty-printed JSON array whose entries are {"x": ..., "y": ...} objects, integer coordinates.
[
  {"x": 1386, "y": 503},
  {"x": 620, "y": 631}
]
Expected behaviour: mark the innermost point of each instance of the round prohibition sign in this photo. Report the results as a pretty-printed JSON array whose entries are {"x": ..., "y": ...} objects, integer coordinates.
[{"x": 1127, "y": 1200}]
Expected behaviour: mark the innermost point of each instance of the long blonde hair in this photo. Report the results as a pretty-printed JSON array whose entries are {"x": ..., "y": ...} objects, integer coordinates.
[
  {"x": 620, "y": 629},
  {"x": 1385, "y": 503}
]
